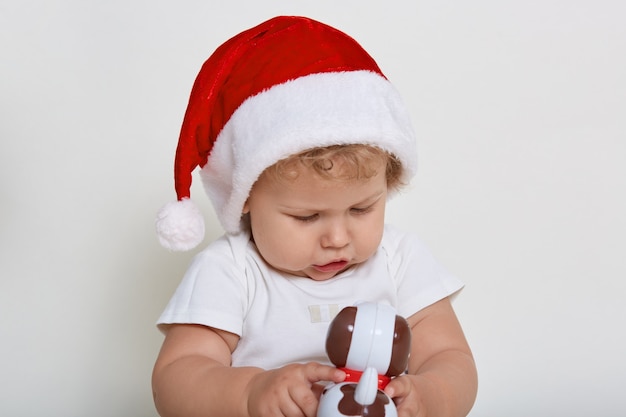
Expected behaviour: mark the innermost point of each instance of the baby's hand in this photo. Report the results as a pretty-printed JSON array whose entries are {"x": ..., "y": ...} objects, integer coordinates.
[
  {"x": 288, "y": 391},
  {"x": 406, "y": 394}
]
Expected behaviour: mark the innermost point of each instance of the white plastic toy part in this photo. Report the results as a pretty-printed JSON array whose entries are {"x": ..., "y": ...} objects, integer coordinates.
[
  {"x": 367, "y": 388},
  {"x": 372, "y": 338}
]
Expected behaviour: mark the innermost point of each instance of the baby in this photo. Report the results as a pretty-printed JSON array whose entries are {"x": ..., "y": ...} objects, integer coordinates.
[{"x": 301, "y": 141}]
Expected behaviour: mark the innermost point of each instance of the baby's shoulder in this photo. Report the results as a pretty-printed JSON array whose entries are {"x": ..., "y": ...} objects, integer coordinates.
[
  {"x": 227, "y": 249},
  {"x": 395, "y": 238}
]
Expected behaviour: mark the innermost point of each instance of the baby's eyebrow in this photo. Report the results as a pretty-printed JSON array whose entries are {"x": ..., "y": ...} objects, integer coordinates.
[
  {"x": 303, "y": 209},
  {"x": 371, "y": 199}
]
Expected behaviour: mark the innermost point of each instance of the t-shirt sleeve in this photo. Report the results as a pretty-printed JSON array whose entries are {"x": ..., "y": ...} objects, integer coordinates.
[
  {"x": 212, "y": 292},
  {"x": 420, "y": 279}
]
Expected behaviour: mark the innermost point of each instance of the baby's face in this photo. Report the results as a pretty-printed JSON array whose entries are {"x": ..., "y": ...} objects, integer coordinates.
[{"x": 314, "y": 227}]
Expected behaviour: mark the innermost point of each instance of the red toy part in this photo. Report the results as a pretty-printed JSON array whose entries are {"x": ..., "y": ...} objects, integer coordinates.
[{"x": 354, "y": 376}]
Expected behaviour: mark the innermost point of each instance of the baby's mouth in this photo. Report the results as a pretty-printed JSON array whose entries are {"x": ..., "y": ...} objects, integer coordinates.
[{"x": 331, "y": 266}]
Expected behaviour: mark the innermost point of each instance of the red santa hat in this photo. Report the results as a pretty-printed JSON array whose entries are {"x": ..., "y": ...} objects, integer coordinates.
[{"x": 282, "y": 87}]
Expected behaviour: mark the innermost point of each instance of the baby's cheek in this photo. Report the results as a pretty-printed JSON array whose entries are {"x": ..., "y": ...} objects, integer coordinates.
[{"x": 285, "y": 254}]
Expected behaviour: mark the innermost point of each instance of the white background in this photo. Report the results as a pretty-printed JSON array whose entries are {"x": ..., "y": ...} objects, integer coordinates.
[{"x": 520, "y": 109}]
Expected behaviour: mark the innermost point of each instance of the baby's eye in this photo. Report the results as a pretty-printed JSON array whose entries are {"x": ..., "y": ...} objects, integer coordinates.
[
  {"x": 309, "y": 218},
  {"x": 361, "y": 210}
]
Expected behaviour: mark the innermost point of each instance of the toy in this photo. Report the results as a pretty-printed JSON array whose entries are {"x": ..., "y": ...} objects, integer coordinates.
[{"x": 371, "y": 343}]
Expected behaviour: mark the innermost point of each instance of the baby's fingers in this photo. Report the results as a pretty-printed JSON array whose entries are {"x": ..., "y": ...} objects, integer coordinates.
[
  {"x": 305, "y": 399},
  {"x": 303, "y": 395},
  {"x": 316, "y": 372},
  {"x": 404, "y": 395},
  {"x": 398, "y": 387}
]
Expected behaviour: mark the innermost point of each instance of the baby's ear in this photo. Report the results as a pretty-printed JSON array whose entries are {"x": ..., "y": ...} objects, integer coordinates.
[{"x": 246, "y": 208}]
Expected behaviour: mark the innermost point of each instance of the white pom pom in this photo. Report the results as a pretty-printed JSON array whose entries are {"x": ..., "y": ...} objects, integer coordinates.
[{"x": 180, "y": 226}]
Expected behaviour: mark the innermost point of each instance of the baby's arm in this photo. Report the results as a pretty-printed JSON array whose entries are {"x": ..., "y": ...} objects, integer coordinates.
[
  {"x": 442, "y": 378},
  {"x": 193, "y": 377}
]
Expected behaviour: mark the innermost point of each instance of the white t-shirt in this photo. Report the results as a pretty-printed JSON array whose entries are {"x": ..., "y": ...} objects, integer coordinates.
[{"x": 282, "y": 318}]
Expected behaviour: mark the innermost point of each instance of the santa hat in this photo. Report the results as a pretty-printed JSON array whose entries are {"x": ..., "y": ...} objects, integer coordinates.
[{"x": 282, "y": 87}]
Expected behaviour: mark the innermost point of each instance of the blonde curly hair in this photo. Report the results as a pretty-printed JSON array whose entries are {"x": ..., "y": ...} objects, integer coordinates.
[{"x": 358, "y": 162}]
